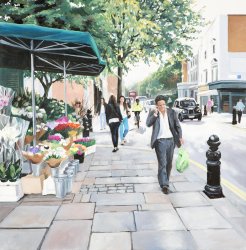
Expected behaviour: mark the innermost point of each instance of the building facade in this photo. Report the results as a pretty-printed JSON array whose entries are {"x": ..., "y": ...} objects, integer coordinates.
[{"x": 219, "y": 68}]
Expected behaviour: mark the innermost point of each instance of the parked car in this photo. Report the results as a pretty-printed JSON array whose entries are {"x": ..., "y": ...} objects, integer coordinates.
[
  {"x": 149, "y": 104},
  {"x": 187, "y": 108}
]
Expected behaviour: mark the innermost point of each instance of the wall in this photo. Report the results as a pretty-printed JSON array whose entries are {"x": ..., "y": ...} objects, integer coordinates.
[{"x": 237, "y": 33}]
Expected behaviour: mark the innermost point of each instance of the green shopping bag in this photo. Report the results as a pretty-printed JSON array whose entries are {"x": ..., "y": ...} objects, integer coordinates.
[{"x": 182, "y": 161}]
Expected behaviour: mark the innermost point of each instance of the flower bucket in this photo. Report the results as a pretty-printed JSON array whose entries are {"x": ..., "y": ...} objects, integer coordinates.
[
  {"x": 61, "y": 185},
  {"x": 79, "y": 157},
  {"x": 37, "y": 168}
]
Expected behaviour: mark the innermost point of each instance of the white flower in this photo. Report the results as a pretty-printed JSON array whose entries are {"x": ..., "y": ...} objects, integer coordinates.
[
  {"x": 29, "y": 115},
  {"x": 42, "y": 111},
  {"x": 39, "y": 115}
]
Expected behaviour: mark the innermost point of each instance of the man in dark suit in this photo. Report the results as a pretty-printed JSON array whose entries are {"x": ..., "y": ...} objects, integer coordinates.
[{"x": 165, "y": 135}]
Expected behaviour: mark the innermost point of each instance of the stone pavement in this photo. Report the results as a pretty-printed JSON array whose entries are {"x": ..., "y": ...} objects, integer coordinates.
[{"x": 116, "y": 203}]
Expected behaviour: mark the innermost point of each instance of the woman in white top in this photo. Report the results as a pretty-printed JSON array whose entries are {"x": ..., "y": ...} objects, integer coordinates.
[
  {"x": 101, "y": 110},
  {"x": 124, "y": 127}
]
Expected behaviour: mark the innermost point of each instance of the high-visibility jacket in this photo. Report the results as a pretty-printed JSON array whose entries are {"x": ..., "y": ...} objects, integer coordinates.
[{"x": 137, "y": 107}]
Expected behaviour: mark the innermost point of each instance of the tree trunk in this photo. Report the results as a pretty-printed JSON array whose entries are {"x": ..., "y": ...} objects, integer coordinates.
[{"x": 119, "y": 90}]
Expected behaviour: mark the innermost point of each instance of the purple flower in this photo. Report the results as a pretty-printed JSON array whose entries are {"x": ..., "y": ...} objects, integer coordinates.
[{"x": 34, "y": 150}]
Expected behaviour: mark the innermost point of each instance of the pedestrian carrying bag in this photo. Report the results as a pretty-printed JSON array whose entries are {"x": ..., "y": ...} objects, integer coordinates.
[{"x": 182, "y": 161}]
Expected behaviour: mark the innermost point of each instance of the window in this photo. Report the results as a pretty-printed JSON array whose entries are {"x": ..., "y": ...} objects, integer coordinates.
[{"x": 205, "y": 54}]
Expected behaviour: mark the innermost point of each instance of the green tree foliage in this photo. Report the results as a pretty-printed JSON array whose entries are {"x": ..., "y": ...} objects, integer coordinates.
[
  {"x": 165, "y": 78},
  {"x": 126, "y": 31}
]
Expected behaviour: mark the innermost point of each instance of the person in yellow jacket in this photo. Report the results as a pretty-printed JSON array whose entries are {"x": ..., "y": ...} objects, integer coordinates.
[{"x": 137, "y": 108}]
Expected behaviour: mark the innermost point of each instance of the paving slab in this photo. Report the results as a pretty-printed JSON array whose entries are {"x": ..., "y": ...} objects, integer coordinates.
[
  {"x": 146, "y": 188},
  {"x": 150, "y": 179},
  {"x": 110, "y": 241},
  {"x": 4, "y": 211},
  {"x": 163, "y": 240},
  {"x": 103, "y": 209},
  {"x": 102, "y": 173},
  {"x": 99, "y": 168},
  {"x": 146, "y": 172},
  {"x": 30, "y": 217},
  {"x": 239, "y": 224},
  {"x": 117, "y": 199},
  {"x": 124, "y": 172},
  {"x": 202, "y": 218},
  {"x": 19, "y": 239},
  {"x": 113, "y": 222},
  {"x": 68, "y": 235},
  {"x": 156, "y": 198},
  {"x": 113, "y": 180},
  {"x": 177, "y": 178},
  {"x": 76, "y": 211},
  {"x": 224, "y": 207},
  {"x": 158, "y": 220},
  {"x": 188, "y": 186},
  {"x": 224, "y": 239},
  {"x": 188, "y": 199},
  {"x": 159, "y": 206},
  {"x": 100, "y": 163}
]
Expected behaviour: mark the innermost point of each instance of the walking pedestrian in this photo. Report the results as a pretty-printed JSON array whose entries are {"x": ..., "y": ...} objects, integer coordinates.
[
  {"x": 101, "y": 109},
  {"x": 166, "y": 134},
  {"x": 212, "y": 105},
  {"x": 114, "y": 118},
  {"x": 209, "y": 105},
  {"x": 124, "y": 127},
  {"x": 240, "y": 107}
]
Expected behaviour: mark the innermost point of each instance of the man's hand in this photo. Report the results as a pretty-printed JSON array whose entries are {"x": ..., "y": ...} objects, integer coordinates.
[{"x": 156, "y": 112}]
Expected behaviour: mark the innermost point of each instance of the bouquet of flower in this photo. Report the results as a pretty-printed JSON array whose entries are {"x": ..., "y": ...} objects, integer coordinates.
[
  {"x": 65, "y": 128},
  {"x": 86, "y": 141},
  {"x": 77, "y": 149},
  {"x": 34, "y": 154},
  {"x": 55, "y": 157},
  {"x": 55, "y": 138}
]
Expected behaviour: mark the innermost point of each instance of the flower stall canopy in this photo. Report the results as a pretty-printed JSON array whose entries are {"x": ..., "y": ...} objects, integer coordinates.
[{"x": 51, "y": 48}]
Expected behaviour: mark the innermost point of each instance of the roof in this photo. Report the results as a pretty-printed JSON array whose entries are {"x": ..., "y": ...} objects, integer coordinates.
[{"x": 51, "y": 48}]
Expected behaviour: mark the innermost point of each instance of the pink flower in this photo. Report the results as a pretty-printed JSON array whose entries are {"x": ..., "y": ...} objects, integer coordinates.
[{"x": 62, "y": 119}]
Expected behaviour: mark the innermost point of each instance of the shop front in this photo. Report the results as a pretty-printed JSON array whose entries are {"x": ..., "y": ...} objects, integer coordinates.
[{"x": 229, "y": 92}]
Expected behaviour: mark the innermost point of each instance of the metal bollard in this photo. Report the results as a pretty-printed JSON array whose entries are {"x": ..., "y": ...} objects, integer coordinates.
[
  {"x": 213, "y": 188},
  {"x": 234, "y": 116}
]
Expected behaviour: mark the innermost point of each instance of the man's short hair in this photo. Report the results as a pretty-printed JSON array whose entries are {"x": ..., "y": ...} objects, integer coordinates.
[{"x": 159, "y": 98}]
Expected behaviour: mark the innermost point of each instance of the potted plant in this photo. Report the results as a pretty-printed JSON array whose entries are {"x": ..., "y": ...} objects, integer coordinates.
[
  {"x": 10, "y": 185},
  {"x": 78, "y": 152}
]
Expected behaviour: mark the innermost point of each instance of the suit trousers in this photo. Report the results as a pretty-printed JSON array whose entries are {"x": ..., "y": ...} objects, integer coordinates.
[{"x": 164, "y": 149}]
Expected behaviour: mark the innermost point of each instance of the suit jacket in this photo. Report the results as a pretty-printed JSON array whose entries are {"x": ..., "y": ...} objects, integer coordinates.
[{"x": 173, "y": 125}]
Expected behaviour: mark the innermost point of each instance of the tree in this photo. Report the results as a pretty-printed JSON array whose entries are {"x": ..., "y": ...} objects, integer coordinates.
[
  {"x": 165, "y": 78},
  {"x": 126, "y": 31},
  {"x": 144, "y": 29}
]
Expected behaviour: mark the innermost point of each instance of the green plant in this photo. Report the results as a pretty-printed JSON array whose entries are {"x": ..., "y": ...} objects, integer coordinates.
[{"x": 10, "y": 171}]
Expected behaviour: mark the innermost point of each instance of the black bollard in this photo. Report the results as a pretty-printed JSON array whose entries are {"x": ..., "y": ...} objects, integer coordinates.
[
  {"x": 234, "y": 116},
  {"x": 205, "y": 110},
  {"x": 213, "y": 188}
]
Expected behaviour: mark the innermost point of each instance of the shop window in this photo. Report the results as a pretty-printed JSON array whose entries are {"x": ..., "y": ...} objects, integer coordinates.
[{"x": 214, "y": 48}]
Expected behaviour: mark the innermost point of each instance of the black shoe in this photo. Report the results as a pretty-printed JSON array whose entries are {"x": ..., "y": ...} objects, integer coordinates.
[
  {"x": 114, "y": 150},
  {"x": 165, "y": 190}
]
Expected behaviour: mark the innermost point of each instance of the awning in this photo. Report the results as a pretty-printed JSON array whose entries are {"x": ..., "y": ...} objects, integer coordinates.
[
  {"x": 51, "y": 47},
  {"x": 208, "y": 92},
  {"x": 228, "y": 84}
]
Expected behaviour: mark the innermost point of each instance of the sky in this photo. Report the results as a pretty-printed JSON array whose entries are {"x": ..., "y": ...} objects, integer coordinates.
[{"x": 209, "y": 10}]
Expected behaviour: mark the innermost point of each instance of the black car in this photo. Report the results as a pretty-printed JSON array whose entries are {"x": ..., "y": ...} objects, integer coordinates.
[{"x": 187, "y": 108}]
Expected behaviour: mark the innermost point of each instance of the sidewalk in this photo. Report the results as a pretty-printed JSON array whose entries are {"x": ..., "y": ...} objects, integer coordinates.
[{"x": 117, "y": 204}]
